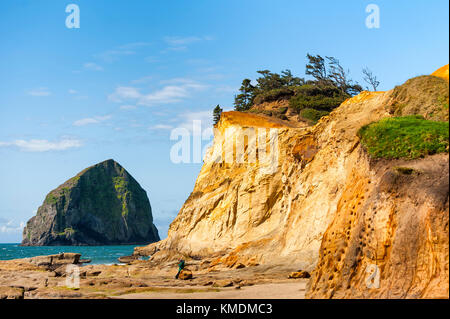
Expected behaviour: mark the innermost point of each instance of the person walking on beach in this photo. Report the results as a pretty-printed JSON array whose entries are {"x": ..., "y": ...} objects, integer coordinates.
[{"x": 180, "y": 268}]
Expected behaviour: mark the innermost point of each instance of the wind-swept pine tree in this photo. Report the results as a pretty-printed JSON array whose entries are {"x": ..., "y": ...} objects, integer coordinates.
[
  {"x": 217, "y": 112},
  {"x": 370, "y": 79},
  {"x": 244, "y": 100}
]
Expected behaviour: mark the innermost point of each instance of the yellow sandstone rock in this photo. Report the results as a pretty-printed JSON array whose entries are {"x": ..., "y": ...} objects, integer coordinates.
[
  {"x": 441, "y": 72},
  {"x": 324, "y": 205}
]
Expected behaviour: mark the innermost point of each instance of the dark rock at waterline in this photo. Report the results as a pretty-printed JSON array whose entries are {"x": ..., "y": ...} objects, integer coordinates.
[
  {"x": 127, "y": 259},
  {"x": 102, "y": 205}
]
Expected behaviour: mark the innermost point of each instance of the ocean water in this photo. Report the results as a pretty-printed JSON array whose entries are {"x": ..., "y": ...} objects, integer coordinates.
[{"x": 98, "y": 254}]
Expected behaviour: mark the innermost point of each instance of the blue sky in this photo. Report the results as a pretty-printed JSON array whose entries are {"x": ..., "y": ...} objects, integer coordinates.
[{"x": 115, "y": 87}]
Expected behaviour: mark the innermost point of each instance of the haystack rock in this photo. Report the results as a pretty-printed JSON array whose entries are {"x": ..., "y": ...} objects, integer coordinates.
[
  {"x": 362, "y": 227},
  {"x": 102, "y": 205}
]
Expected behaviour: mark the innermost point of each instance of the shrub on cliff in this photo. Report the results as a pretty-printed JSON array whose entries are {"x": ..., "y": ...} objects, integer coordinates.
[
  {"x": 274, "y": 95},
  {"x": 329, "y": 87},
  {"x": 312, "y": 115},
  {"x": 407, "y": 137},
  {"x": 324, "y": 98}
]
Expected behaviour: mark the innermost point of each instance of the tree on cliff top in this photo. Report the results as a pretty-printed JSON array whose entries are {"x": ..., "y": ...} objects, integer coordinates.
[
  {"x": 217, "y": 112},
  {"x": 329, "y": 72},
  {"x": 244, "y": 100},
  {"x": 370, "y": 79},
  {"x": 329, "y": 87}
]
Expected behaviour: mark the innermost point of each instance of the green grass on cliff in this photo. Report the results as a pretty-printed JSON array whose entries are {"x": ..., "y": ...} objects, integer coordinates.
[
  {"x": 407, "y": 137},
  {"x": 121, "y": 186}
]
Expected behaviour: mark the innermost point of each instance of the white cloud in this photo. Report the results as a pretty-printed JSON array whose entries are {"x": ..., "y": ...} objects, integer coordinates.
[
  {"x": 91, "y": 120},
  {"x": 43, "y": 91},
  {"x": 35, "y": 145},
  {"x": 72, "y": 91},
  {"x": 134, "y": 45},
  {"x": 8, "y": 227},
  {"x": 188, "y": 118},
  {"x": 144, "y": 79},
  {"x": 177, "y": 90},
  {"x": 92, "y": 66},
  {"x": 177, "y": 43},
  {"x": 180, "y": 41},
  {"x": 177, "y": 48},
  {"x": 113, "y": 55},
  {"x": 124, "y": 93},
  {"x": 168, "y": 94},
  {"x": 127, "y": 107},
  {"x": 161, "y": 127}
]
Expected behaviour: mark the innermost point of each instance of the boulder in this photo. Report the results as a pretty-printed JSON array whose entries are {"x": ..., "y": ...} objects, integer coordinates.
[
  {"x": 185, "y": 274},
  {"x": 11, "y": 293},
  {"x": 51, "y": 262},
  {"x": 127, "y": 259}
]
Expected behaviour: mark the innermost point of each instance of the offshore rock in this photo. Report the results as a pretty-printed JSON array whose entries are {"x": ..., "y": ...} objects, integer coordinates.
[{"x": 102, "y": 205}]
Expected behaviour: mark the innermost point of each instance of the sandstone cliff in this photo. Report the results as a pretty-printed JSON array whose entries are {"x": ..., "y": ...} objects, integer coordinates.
[
  {"x": 326, "y": 205},
  {"x": 102, "y": 205}
]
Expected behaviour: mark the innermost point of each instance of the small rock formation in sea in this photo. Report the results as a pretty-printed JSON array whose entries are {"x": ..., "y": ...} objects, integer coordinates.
[
  {"x": 328, "y": 208},
  {"x": 102, "y": 205}
]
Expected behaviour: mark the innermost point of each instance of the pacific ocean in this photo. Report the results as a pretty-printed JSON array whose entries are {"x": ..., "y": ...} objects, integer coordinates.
[{"x": 97, "y": 254}]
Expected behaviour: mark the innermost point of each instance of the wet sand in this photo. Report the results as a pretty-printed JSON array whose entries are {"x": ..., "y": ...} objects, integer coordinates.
[{"x": 285, "y": 290}]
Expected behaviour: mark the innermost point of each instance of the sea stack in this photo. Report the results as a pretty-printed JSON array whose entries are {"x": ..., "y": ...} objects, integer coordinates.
[{"x": 102, "y": 205}]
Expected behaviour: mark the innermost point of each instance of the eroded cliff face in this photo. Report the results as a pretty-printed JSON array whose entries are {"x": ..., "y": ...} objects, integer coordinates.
[
  {"x": 389, "y": 235},
  {"x": 324, "y": 205}
]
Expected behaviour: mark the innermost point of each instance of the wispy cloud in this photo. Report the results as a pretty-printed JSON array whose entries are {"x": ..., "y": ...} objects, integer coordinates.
[
  {"x": 36, "y": 145},
  {"x": 92, "y": 66},
  {"x": 113, "y": 55},
  {"x": 177, "y": 43},
  {"x": 134, "y": 45},
  {"x": 123, "y": 93},
  {"x": 91, "y": 120},
  {"x": 168, "y": 94},
  {"x": 161, "y": 127},
  {"x": 127, "y": 107},
  {"x": 188, "y": 118},
  {"x": 43, "y": 91},
  {"x": 143, "y": 79},
  {"x": 72, "y": 91},
  {"x": 174, "y": 91},
  {"x": 8, "y": 226}
]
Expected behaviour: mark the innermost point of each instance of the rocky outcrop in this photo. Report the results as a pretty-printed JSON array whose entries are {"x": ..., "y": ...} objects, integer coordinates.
[
  {"x": 322, "y": 204},
  {"x": 102, "y": 205},
  {"x": 54, "y": 261},
  {"x": 185, "y": 274}
]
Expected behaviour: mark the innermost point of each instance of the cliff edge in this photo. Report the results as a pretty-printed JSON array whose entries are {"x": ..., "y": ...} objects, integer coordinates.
[{"x": 365, "y": 226}]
